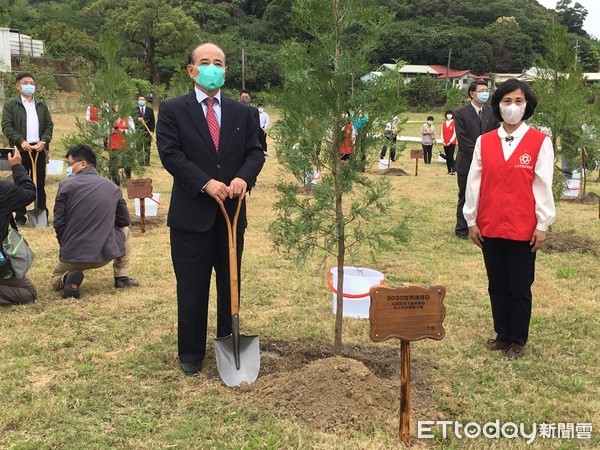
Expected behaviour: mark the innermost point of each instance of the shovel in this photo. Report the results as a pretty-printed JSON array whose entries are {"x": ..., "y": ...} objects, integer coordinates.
[
  {"x": 36, "y": 217},
  {"x": 238, "y": 356}
]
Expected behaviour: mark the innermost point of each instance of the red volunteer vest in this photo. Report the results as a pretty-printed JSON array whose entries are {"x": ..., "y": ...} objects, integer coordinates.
[
  {"x": 117, "y": 137},
  {"x": 448, "y": 132},
  {"x": 94, "y": 114},
  {"x": 506, "y": 204}
]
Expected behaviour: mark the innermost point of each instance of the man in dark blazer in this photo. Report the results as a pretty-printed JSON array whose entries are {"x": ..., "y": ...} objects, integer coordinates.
[
  {"x": 471, "y": 121},
  {"x": 209, "y": 144},
  {"x": 145, "y": 114}
]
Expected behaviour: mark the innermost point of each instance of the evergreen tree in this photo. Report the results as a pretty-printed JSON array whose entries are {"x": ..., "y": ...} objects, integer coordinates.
[{"x": 346, "y": 208}]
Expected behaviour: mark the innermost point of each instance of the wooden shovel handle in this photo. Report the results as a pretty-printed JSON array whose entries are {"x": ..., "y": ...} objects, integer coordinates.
[{"x": 233, "y": 264}]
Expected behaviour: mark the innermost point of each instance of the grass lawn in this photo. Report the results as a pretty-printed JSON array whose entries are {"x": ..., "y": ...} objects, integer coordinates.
[{"x": 101, "y": 372}]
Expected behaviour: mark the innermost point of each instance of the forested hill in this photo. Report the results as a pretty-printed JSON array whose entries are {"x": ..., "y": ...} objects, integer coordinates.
[{"x": 485, "y": 36}]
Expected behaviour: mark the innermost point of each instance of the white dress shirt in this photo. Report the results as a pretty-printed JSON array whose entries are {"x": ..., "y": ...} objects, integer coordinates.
[
  {"x": 264, "y": 120},
  {"x": 201, "y": 96},
  {"x": 33, "y": 123},
  {"x": 542, "y": 181}
]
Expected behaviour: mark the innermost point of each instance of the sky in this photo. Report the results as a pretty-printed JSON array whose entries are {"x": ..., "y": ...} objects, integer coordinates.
[{"x": 593, "y": 17}]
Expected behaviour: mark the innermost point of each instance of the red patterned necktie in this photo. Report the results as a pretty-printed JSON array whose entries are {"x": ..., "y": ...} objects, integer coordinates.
[
  {"x": 211, "y": 120},
  {"x": 480, "y": 113}
]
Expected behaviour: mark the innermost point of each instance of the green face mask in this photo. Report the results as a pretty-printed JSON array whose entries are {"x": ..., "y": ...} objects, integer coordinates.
[
  {"x": 430, "y": 122},
  {"x": 210, "y": 77}
]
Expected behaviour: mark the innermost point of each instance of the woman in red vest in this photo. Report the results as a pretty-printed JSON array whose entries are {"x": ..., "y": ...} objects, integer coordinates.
[
  {"x": 348, "y": 137},
  {"x": 508, "y": 208},
  {"x": 449, "y": 141},
  {"x": 116, "y": 142}
]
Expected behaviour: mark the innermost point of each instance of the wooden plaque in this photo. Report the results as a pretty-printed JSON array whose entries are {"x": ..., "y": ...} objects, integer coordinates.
[
  {"x": 416, "y": 153},
  {"x": 141, "y": 188},
  {"x": 409, "y": 312}
]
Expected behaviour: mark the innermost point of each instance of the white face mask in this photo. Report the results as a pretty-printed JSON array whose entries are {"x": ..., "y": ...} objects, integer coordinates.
[
  {"x": 449, "y": 116},
  {"x": 512, "y": 114},
  {"x": 260, "y": 109}
]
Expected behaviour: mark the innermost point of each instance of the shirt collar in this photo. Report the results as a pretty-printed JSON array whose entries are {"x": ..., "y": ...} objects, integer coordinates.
[
  {"x": 476, "y": 108},
  {"x": 27, "y": 102},
  {"x": 201, "y": 96},
  {"x": 519, "y": 132}
]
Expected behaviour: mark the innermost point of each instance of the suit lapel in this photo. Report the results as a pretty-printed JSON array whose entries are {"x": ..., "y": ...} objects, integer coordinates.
[{"x": 196, "y": 114}]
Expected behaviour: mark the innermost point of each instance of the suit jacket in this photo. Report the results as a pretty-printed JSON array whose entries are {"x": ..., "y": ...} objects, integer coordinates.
[
  {"x": 89, "y": 213},
  {"x": 468, "y": 128},
  {"x": 148, "y": 117},
  {"x": 187, "y": 151},
  {"x": 14, "y": 122}
]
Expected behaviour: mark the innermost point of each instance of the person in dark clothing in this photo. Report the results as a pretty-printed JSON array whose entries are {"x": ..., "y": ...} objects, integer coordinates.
[
  {"x": 145, "y": 116},
  {"x": 13, "y": 196},
  {"x": 91, "y": 221}
]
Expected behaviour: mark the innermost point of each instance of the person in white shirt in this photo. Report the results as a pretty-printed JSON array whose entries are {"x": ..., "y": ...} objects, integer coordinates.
[
  {"x": 27, "y": 124},
  {"x": 508, "y": 208},
  {"x": 264, "y": 124}
]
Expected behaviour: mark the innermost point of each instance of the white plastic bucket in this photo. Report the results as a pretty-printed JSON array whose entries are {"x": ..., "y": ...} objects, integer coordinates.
[
  {"x": 357, "y": 282},
  {"x": 383, "y": 164},
  {"x": 150, "y": 204},
  {"x": 55, "y": 167},
  {"x": 573, "y": 187}
]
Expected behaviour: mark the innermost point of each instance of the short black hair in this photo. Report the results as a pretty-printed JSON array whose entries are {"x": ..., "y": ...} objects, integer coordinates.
[
  {"x": 22, "y": 75},
  {"x": 261, "y": 104},
  {"x": 246, "y": 91},
  {"x": 473, "y": 86},
  {"x": 510, "y": 85},
  {"x": 430, "y": 118},
  {"x": 82, "y": 152},
  {"x": 448, "y": 112}
]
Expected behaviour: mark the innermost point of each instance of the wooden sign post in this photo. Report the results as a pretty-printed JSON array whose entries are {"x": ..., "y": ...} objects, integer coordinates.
[
  {"x": 140, "y": 189},
  {"x": 409, "y": 312},
  {"x": 416, "y": 154}
]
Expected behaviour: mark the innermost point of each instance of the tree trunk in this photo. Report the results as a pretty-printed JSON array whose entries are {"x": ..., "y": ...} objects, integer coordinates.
[
  {"x": 339, "y": 212},
  {"x": 151, "y": 65}
]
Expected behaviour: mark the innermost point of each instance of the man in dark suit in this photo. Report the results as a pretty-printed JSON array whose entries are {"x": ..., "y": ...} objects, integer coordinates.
[
  {"x": 209, "y": 144},
  {"x": 471, "y": 120},
  {"x": 246, "y": 99},
  {"x": 145, "y": 114}
]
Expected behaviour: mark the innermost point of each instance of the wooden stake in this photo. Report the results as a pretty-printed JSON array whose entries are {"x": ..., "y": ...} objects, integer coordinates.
[
  {"x": 405, "y": 391},
  {"x": 143, "y": 214},
  {"x": 416, "y": 166}
]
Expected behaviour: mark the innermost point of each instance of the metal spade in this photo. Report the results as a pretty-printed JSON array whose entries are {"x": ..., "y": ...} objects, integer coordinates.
[
  {"x": 238, "y": 355},
  {"x": 36, "y": 217}
]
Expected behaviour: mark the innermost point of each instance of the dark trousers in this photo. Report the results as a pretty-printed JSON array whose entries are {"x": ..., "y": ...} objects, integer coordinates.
[
  {"x": 510, "y": 267},
  {"x": 461, "y": 228},
  {"x": 392, "y": 143},
  {"x": 449, "y": 152},
  {"x": 427, "y": 150},
  {"x": 194, "y": 256},
  {"x": 20, "y": 214},
  {"x": 262, "y": 139}
]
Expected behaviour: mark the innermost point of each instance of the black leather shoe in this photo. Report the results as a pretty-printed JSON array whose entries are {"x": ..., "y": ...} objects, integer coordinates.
[
  {"x": 190, "y": 368},
  {"x": 125, "y": 282},
  {"x": 73, "y": 280},
  {"x": 20, "y": 223}
]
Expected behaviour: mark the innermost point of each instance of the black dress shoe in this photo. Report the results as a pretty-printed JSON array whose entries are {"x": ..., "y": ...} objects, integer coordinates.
[
  {"x": 190, "y": 368},
  {"x": 464, "y": 237}
]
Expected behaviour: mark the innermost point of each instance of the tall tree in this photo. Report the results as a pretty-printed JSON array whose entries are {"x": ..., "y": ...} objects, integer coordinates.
[
  {"x": 155, "y": 28},
  {"x": 346, "y": 208},
  {"x": 572, "y": 17}
]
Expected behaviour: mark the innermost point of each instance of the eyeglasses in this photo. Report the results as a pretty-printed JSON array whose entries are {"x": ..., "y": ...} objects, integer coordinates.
[
  {"x": 75, "y": 162},
  {"x": 25, "y": 83}
]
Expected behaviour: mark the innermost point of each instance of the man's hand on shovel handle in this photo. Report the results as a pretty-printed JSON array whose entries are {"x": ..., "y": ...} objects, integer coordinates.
[{"x": 237, "y": 187}]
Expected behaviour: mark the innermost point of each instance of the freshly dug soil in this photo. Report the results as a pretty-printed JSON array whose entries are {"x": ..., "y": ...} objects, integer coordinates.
[
  {"x": 303, "y": 382},
  {"x": 568, "y": 241}
]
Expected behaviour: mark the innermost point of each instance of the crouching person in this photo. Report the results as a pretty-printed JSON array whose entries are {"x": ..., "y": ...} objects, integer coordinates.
[
  {"x": 91, "y": 221},
  {"x": 12, "y": 197}
]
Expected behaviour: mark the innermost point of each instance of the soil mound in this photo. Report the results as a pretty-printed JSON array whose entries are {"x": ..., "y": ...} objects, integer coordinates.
[
  {"x": 329, "y": 394},
  {"x": 568, "y": 241}
]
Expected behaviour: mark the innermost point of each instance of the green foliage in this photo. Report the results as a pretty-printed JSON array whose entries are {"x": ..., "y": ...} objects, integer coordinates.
[
  {"x": 45, "y": 84},
  {"x": 114, "y": 92},
  {"x": 454, "y": 98},
  {"x": 563, "y": 97},
  {"x": 424, "y": 90}
]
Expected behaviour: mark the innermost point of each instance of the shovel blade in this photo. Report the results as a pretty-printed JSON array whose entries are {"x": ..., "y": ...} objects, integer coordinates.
[
  {"x": 37, "y": 218},
  {"x": 249, "y": 359}
]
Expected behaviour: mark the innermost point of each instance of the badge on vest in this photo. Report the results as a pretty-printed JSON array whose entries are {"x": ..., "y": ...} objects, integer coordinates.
[{"x": 525, "y": 162}]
